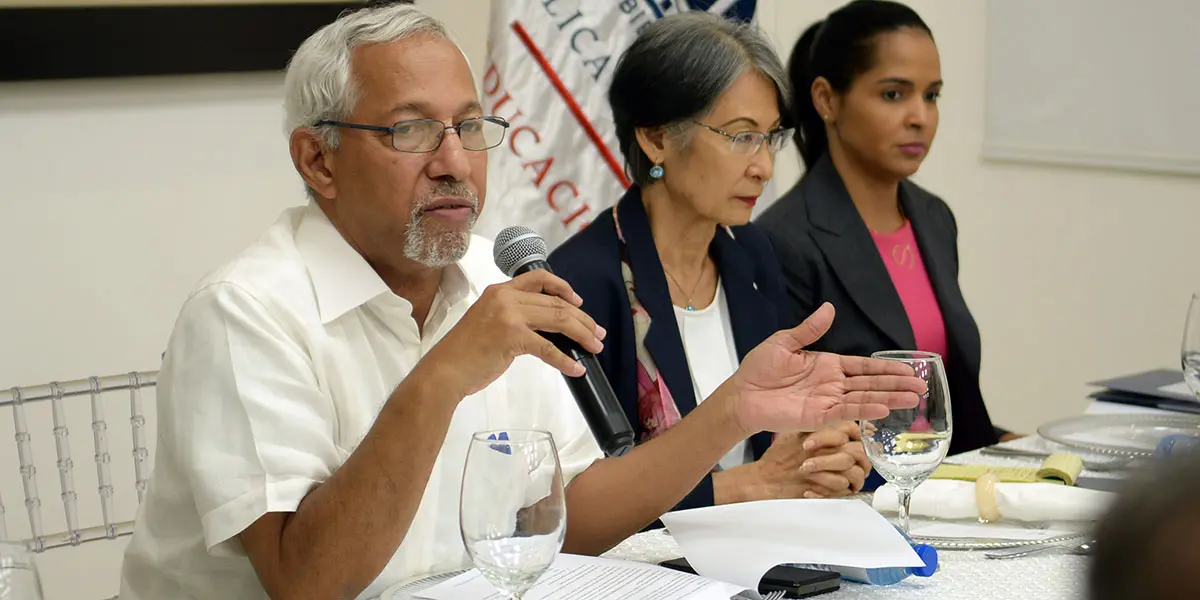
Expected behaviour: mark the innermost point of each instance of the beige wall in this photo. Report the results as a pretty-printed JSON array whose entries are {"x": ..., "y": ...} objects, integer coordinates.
[{"x": 118, "y": 195}]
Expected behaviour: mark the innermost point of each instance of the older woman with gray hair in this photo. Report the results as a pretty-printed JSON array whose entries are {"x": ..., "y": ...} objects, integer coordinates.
[{"x": 684, "y": 285}]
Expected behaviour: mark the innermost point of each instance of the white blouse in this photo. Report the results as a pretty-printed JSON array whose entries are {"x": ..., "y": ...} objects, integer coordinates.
[{"x": 712, "y": 358}]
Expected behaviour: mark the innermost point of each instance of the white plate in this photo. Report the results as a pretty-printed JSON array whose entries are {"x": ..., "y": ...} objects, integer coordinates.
[{"x": 405, "y": 589}]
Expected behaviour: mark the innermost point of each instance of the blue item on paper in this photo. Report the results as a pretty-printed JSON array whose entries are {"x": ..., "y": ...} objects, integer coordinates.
[
  {"x": 505, "y": 448},
  {"x": 887, "y": 575}
]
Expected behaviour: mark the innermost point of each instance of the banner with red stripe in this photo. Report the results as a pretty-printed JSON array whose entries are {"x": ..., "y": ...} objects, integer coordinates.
[{"x": 548, "y": 70}]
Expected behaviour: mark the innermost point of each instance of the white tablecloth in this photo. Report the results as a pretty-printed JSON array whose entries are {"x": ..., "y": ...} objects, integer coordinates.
[{"x": 962, "y": 575}]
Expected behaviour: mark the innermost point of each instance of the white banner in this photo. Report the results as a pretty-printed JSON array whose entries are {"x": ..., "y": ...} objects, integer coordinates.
[{"x": 550, "y": 63}]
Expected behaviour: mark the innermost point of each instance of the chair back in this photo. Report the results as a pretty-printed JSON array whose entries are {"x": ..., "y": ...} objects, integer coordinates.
[{"x": 44, "y": 416}]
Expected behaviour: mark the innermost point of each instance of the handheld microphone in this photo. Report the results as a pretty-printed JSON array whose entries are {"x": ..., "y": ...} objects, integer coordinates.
[{"x": 520, "y": 250}]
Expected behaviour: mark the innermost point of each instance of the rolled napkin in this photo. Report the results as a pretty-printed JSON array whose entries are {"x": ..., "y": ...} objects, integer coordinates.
[{"x": 1026, "y": 502}]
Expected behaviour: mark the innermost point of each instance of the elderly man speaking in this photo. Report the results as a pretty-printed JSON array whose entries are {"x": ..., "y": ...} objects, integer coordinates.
[{"x": 319, "y": 392}]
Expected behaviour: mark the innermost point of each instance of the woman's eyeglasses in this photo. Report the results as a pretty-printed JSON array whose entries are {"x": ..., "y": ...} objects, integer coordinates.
[{"x": 748, "y": 142}]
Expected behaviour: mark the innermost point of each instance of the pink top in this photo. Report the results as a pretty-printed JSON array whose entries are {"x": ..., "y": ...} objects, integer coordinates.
[
  {"x": 904, "y": 264},
  {"x": 907, "y": 269}
]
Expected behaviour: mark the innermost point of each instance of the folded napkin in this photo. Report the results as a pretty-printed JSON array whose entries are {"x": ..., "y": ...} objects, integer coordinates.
[
  {"x": 1060, "y": 467},
  {"x": 1027, "y": 502}
]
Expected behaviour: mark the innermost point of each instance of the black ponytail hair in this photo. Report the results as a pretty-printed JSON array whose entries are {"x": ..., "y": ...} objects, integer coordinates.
[{"x": 839, "y": 48}]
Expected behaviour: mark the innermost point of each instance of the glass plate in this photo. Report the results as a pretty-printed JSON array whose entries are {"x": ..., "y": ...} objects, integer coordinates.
[
  {"x": 405, "y": 589},
  {"x": 1133, "y": 435},
  {"x": 985, "y": 543}
]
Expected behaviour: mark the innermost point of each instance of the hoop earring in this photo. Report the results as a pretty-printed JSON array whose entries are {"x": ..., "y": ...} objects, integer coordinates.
[{"x": 656, "y": 172}]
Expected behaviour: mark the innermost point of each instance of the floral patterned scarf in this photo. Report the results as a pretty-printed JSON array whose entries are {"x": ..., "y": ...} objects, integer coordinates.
[{"x": 656, "y": 408}]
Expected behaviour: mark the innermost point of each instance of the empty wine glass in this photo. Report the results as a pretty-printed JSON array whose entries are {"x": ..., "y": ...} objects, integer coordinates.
[
  {"x": 1190, "y": 354},
  {"x": 907, "y": 446},
  {"x": 19, "y": 578},
  {"x": 513, "y": 510}
]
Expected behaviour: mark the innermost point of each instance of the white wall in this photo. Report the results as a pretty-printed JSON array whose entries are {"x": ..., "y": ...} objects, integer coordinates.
[{"x": 118, "y": 195}]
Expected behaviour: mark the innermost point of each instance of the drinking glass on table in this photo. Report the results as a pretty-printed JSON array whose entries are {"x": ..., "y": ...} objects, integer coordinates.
[
  {"x": 907, "y": 446},
  {"x": 1190, "y": 355},
  {"x": 19, "y": 578},
  {"x": 513, "y": 511}
]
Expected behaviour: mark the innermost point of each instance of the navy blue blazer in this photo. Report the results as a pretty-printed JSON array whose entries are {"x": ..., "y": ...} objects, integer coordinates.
[
  {"x": 828, "y": 255},
  {"x": 591, "y": 262}
]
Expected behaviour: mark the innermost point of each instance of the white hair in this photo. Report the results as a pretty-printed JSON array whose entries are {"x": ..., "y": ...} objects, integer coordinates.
[{"x": 319, "y": 83}]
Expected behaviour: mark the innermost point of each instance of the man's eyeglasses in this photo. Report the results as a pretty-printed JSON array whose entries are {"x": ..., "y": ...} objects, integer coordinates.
[
  {"x": 748, "y": 142},
  {"x": 426, "y": 135}
]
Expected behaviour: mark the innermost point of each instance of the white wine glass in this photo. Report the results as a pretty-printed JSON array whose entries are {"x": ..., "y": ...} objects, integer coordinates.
[
  {"x": 513, "y": 510},
  {"x": 19, "y": 579},
  {"x": 1190, "y": 354},
  {"x": 907, "y": 446}
]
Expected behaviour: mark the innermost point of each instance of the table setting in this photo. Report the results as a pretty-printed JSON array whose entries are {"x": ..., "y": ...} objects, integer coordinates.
[
  {"x": 1037, "y": 551},
  {"x": 1012, "y": 520}
]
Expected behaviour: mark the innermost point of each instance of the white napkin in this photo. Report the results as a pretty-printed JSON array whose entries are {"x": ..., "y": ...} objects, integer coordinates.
[{"x": 1028, "y": 502}]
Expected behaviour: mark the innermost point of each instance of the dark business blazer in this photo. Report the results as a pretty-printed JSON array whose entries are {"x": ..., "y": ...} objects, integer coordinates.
[
  {"x": 591, "y": 262},
  {"x": 828, "y": 255}
]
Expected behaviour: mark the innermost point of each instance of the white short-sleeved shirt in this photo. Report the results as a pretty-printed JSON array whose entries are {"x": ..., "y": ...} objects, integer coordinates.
[{"x": 276, "y": 369}]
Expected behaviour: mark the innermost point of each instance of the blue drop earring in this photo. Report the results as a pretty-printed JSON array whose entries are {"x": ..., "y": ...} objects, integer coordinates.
[{"x": 656, "y": 172}]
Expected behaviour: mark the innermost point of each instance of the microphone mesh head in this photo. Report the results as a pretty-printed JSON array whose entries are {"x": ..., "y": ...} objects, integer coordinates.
[{"x": 517, "y": 245}]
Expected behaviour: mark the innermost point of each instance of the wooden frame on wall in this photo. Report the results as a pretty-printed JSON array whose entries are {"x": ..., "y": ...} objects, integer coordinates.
[{"x": 75, "y": 39}]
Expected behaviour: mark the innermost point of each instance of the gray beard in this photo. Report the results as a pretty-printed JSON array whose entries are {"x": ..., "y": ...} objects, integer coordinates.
[{"x": 427, "y": 244}]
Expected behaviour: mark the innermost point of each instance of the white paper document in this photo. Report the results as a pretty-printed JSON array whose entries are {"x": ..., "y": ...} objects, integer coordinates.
[
  {"x": 573, "y": 577},
  {"x": 739, "y": 543}
]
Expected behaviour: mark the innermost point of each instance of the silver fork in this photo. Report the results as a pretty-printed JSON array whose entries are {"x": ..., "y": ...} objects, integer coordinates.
[
  {"x": 1081, "y": 548},
  {"x": 775, "y": 595}
]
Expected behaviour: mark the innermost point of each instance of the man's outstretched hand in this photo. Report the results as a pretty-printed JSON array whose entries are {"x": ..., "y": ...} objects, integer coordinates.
[{"x": 780, "y": 386}]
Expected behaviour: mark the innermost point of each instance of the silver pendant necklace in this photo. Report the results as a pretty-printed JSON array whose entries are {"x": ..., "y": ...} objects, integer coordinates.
[{"x": 690, "y": 307}]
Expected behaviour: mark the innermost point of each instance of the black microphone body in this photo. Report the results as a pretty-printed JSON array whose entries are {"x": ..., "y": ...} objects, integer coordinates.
[{"x": 592, "y": 392}]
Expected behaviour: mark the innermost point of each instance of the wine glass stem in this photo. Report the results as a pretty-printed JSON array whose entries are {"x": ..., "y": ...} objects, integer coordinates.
[{"x": 905, "y": 499}]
